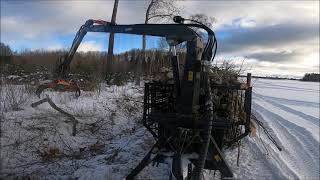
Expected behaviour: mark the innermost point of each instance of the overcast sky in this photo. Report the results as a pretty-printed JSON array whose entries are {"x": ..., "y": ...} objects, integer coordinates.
[{"x": 273, "y": 37}]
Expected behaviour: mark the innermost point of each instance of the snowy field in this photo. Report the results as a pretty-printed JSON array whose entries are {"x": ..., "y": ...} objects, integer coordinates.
[
  {"x": 110, "y": 140},
  {"x": 291, "y": 110}
]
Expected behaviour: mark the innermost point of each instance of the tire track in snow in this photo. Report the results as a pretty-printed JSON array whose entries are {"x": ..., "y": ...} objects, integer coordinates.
[
  {"x": 277, "y": 86},
  {"x": 307, "y": 117},
  {"x": 302, "y": 154},
  {"x": 287, "y": 89},
  {"x": 277, "y": 173},
  {"x": 293, "y": 102},
  {"x": 254, "y": 164},
  {"x": 299, "y": 133},
  {"x": 273, "y": 154}
]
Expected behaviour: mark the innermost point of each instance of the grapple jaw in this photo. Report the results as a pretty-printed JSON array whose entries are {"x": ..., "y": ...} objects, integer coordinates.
[{"x": 59, "y": 85}]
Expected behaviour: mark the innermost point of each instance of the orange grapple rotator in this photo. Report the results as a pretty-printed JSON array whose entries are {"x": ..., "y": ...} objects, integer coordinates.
[{"x": 59, "y": 85}]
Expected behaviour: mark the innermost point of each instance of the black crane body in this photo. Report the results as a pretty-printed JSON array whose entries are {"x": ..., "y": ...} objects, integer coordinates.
[{"x": 183, "y": 116}]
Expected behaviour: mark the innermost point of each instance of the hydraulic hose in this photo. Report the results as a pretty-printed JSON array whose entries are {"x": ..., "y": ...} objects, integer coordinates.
[
  {"x": 206, "y": 136},
  {"x": 211, "y": 36}
]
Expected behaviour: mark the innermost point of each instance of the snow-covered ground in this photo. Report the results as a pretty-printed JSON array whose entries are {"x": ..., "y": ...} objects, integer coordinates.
[
  {"x": 110, "y": 140},
  {"x": 291, "y": 111}
]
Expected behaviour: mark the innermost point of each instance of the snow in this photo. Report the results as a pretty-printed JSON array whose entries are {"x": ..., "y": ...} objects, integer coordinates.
[
  {"x": 28, "y": 133},
  {"x": 291, "y": 110},
  {"x": 111, "y": 120},
  {"x": 13, "y": 77}
]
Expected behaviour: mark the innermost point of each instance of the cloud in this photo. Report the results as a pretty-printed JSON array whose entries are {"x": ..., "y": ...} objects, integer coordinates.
[
  {"x": 244, "y": 23},
  {"x": 32, "y": 20},
  {"x": 90, "y": 46},
  {"x": 278, "y": 43},
  {"x": 268, "y": 36},
  {"x": 55, "y": 47},
  {"x": 273, "y": 35},
  {"x": 262, "y": 12},
  {"x": 262, "y": 68},
  {"x": 273, "y": 56}
]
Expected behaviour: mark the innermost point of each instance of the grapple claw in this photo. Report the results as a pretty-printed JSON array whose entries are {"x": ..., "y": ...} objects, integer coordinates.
[
  {"x": 40, "y": 89},
  {"x": 59, "y": 85}
]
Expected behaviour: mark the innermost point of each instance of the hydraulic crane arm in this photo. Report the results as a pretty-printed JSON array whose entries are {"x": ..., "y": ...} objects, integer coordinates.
[{"x": 176, "y": 32}]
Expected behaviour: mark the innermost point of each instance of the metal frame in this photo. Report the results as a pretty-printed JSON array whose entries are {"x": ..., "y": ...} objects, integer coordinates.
[{"x": 165, "y": 123}]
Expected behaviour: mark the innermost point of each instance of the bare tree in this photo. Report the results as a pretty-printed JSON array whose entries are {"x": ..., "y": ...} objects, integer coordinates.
[
  {"x": 5, "y": 54},
  {"x": 204, "y": 19},
  {"x": 161, "y": 10},
  {"x": 5, "y": 50},
  {"x": 111, "y": 36}
]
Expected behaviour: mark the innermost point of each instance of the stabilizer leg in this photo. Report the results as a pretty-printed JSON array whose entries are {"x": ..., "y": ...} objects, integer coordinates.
[
  {"x": 215, "y": 160},
  {"x": 144, "y": 162},
  {"x": 176, "y": 166},
  {"x": 215, "y": 155}
]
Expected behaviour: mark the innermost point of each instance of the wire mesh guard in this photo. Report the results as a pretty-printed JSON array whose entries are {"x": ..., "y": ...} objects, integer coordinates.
[{"x": 158, "y": 99}]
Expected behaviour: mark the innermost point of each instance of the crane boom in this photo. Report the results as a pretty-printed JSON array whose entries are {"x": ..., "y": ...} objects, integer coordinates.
[{"x": 177, "y": 32}]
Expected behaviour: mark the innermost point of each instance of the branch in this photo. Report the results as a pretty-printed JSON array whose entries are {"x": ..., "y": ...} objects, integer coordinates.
[
  {"x": 54, "y": 106},
  {"x": 160, "y": 16},
  {"x": 160, "y": 9}
]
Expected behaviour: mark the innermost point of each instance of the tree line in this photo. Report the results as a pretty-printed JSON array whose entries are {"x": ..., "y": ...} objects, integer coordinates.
[
  {"x": 152, "y": 60},
  {"x": 315, "y": 77}
]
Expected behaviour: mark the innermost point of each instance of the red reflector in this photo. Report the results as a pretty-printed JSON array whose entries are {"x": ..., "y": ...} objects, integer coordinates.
[{"x": 99, "y": 21}]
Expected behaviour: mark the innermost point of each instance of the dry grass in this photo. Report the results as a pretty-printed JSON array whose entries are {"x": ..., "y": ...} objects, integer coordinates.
[{"x": 14, "y": 97}]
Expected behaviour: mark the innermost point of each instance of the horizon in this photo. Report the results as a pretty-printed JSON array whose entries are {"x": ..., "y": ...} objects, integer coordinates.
[{"x": 284, "y": 41}]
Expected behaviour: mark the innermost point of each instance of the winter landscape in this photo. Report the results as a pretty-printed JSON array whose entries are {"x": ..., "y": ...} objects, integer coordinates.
[{"x": 90, "y": 89}]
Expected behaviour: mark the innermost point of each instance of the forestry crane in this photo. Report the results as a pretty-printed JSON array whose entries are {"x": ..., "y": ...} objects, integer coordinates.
[{"x": 185, "y": 116}]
